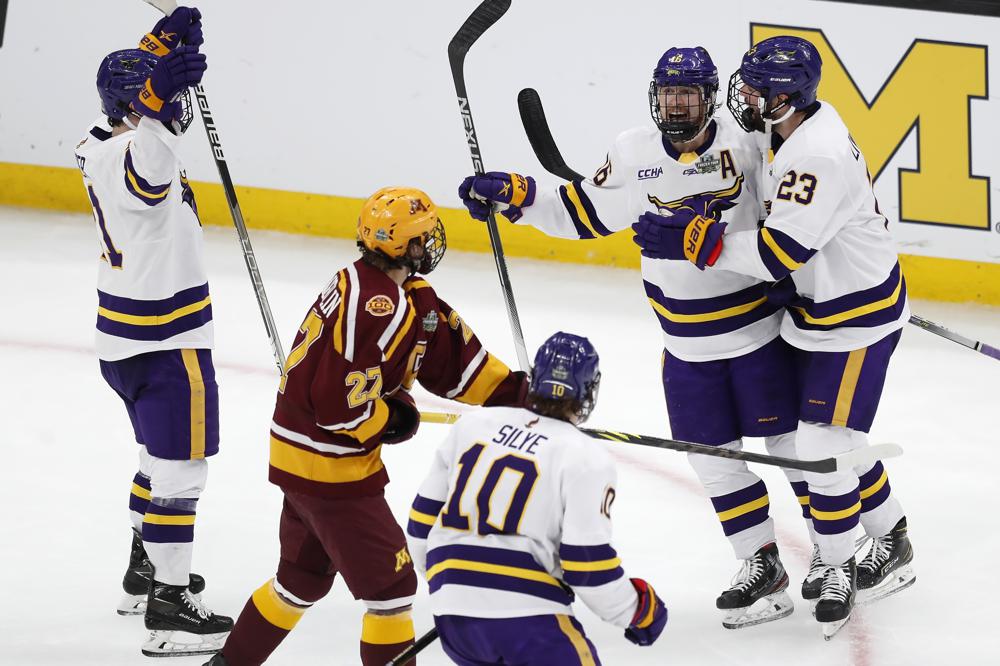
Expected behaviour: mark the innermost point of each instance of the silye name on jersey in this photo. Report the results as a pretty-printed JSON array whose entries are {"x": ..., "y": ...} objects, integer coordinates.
[
  {"x": 825, "y": 231},
  {"x": 705, "y": 315},
  {"x": 514, "y": 520},
  {"x": 152, "y": 286},
  {"x": 363, "y": 338}
]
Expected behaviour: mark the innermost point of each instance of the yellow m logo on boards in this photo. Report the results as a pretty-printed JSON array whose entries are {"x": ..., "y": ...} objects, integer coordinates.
[{"x": 928, "y": 92}]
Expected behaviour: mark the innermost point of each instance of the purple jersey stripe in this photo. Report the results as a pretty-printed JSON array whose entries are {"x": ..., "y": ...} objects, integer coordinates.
[
  {"x": 587, "y": 553},
  {"x": 592, "y": 578},
  {"x": 588, "y": 206},
  {"x": 858, "y": 299},
  {"x": 147, "y": 187},
  {"x": 428, "y": 506},
  {"x": 869, "y": 478},
  {"x": 581, "y": 229},
  {"x": 156, "y": 332},
  {"x": 502, "y": 556},
  {"x": 499, "y": 582},
  {"x": 160, "y": 510},
  {"x": 739, "y": 497},
  {"x": 163, "y": 306},
  {"x": 142, "y": 481},
  {"x": 876, "y": 499},
  {"x": 418, "y": 530},
  {"x": 137, "y": 504},
  {"x": 801, "y": 490},
  {"x": 705, "y": 308}
]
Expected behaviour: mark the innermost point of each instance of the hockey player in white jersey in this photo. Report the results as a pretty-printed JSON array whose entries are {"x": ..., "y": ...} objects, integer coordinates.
[
  {"x": 726, "y": 373},
  {"x": 514, "y": 518},
  {"x": 154, "y": 320},
  {"x": 827, "y": 243}
]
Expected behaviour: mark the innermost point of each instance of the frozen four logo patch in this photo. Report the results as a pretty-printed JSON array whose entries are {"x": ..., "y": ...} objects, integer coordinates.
[
  {"x": 380, "y": 305},
  {"x": 707, "y": 163}
]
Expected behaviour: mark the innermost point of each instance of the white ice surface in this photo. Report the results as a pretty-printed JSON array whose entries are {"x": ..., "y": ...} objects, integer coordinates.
[{"x": 69, "y": 459}]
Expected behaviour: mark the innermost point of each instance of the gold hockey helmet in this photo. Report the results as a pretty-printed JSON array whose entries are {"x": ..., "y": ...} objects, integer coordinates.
[{"x": 393, "y": 217}]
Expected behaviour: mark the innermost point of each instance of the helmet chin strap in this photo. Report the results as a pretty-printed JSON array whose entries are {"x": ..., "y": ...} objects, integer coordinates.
[{"x": 128, "y": 122}]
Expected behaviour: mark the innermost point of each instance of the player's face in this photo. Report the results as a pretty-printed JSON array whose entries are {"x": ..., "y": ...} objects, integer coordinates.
[
  {"x": 680, "y": 103},
  {"x": 752, "y": 100}
]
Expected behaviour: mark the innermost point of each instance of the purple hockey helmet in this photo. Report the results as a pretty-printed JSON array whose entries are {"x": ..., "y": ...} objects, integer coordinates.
[
  {"x": 782, "y": 65},
  {"x": 566, "y": 369},
  {"x": 120, "y": 77},
  {"x": 673, "y": 114}
]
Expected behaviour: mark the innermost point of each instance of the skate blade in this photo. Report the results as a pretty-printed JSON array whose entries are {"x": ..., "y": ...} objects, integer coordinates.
[
  {"x": 182, "y": 644},
  {"x": 132, "y": 604},
  {"x": 830, "y": 629},
  {"x": 896, "y": 582},
  {"x": 767, "y": 609}
]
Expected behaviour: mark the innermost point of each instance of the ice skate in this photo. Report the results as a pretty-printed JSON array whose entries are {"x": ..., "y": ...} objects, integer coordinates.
[
  {"x": 758, "y": 593},
  {"x": 217, "y": 660},
  {"x": 813, "y": 583},
  {"x": 836, "y": 600},
  {"x": 137, "y": 578},
  {"x": 887, "y": 568},
  {"x": 180, "y": 624}
]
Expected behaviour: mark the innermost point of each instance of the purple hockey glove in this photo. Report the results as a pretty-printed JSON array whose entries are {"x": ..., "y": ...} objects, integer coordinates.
[
  {"x": 176, "y": 71},
  {"x": 650, "y": 615},
  {"x": 510, "y": 190},
  {"x": 183, "y": 26},
  {"x": 683, "y": 235}
]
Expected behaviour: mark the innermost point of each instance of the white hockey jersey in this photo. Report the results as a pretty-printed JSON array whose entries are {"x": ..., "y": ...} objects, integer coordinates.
[
  {"x": 825, "y": 230},
  {"x": 705, "y": 315},
  {"x": 152, "y": 286},
  {"x": 514, "y": 517}
]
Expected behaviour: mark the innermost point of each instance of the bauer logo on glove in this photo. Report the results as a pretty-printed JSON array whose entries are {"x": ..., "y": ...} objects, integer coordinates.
[{"x": 499, "y": 191}]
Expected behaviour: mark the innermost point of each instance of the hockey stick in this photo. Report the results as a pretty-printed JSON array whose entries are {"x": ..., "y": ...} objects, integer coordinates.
[
  {"x": 167, "y": 7},
  {"x": 540, "y": 138},
  {"x": 3, "y": 18},
  {"x": 864, "y": 456},
  {"x": 937, "y": 329},
  {"x": 409, "y": 653},
  {"x": 481, "y": 19}
]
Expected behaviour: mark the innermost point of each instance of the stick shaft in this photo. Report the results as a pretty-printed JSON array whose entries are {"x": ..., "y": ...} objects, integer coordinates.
[
  {"x": 481, "y": 19},
  {"x": 409, "y": 653}
]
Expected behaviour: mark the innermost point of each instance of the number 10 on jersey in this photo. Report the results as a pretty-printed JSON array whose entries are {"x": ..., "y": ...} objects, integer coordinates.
[{"x": 514, "y": 499}]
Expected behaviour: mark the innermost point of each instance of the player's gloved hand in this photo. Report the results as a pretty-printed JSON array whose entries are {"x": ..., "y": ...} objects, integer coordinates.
[
  {"x": 650, "y": 615},
  {"x": 683, "y": 235},
  {"x": 404, "y": 419},
  {"x": 183, "y": 26},
  {"x": 176, "y": 71},
  {"x": 509, "y": 192}
]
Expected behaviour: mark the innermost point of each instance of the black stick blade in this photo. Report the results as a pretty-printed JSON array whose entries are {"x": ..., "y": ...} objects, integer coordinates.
[
  {"x": 481, "y": 19},
  {"x": 540, "y": 137}
]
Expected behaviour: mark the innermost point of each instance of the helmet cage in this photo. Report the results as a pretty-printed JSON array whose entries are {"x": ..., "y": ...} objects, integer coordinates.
[
  {"x": 698, "y": 117},
  {"x": 435, "y": 244}
]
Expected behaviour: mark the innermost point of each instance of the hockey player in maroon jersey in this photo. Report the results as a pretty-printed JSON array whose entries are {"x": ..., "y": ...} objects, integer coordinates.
[{"x": 375, "y": 329}]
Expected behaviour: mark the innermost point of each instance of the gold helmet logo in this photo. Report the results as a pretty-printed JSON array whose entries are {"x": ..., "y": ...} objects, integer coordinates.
[{"x": 393, "y": 216}]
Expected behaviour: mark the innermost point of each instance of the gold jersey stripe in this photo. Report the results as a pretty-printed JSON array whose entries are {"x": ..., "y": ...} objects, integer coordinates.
[
  {"x": 387, "y": 629},
  {"x": 706, "y": 316},
  {"x": 835, "y": 515},
  {"x": 323, "y": 469},
  {"x": 848, "y": 385},
  {"x": 742, "y": 509},
  {"x": 500, "y": 569},
  {"x": 154, "y": 320},
  {"x": 577, "y": 639},
  {"x": 157, "y": 519},
  {"x": 782, "y": 256},
  {"x": 598, "y": 565},
  {"x": 197, "y": 383},
  {"x": 859, "y": 311},
  {"x": 275, "y": 609}
]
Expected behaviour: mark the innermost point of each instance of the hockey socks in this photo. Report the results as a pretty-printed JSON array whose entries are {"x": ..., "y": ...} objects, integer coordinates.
[
  {"x": 268, "y": 616},
  {"x": 383, "y": 636}
]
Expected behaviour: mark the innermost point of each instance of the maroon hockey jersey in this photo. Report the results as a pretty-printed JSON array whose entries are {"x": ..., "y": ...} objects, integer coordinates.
[{"x": 363, "y": 339}]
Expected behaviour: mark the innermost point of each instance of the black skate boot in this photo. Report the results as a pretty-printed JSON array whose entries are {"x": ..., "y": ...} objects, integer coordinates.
[
  {"x": 887, "y": 568},
  {"x": 758, "y": 593},
  {"x": 813, "y": 583},
  {"x": 217, "y": 660},
  {"x": 181, "y": 625},
  {"x": 836, "y": 599},
  {"x": 137, "y": 578}
]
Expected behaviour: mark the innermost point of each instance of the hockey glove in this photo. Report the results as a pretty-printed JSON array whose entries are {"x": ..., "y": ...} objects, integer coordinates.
[
  {"x": 497, "y": 190},
  {"x": 683, "y": 235},
  {"x": 650, "y": 615},
  {"x": 176, "y": 71},
  {"x": 183, "y": 26},
  {"x": 404, "y": 419}
]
